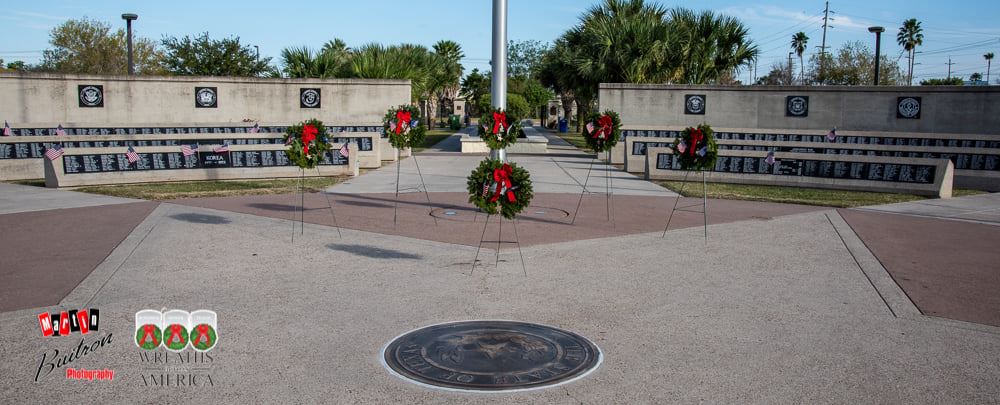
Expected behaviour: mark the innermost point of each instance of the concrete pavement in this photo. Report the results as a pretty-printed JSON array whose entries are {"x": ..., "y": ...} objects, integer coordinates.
[{"x": 783, "y": 304}]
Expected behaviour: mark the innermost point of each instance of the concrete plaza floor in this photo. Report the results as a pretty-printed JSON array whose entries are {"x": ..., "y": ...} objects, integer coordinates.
[{"x": 780, "y": 304}]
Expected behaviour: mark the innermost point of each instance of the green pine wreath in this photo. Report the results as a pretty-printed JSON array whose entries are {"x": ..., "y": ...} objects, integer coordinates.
[
  {"x": 498, "y": 187},
  {"x": 403, "y": 127},
  {"x": 318, "y": 143},
  {"x": 695, "y": 148},
  {"x": 602, "y": 131},
  {"x": 502, "y": 135}
]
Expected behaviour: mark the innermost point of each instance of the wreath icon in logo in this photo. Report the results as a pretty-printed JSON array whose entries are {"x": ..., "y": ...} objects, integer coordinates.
[
  {"x": 909, "y": 107},
  {"x": 91, "y": 96}
]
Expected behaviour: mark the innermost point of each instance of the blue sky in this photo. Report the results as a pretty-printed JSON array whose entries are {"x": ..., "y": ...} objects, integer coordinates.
[{"x": 963, "y": 29}]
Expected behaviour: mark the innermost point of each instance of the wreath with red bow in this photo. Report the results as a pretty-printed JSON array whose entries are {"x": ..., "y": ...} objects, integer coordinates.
[
  {"x": 499, "y": 129},
  {"x": 602, "y": 131},
  {"x": 695, "y": 148},
  {"x": 498, "y": 187},
  {"x": 307, "y": 143},
  {"x": 403, "y": 127}
]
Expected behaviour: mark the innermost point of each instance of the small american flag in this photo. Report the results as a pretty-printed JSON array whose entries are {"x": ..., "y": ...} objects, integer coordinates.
[
  {"x": 221, "y": 148},
  {"x": 54, "y": 152},
  {"x": 131, "y": 155},
  {"x": 6, "y": 128},
  {"x": 255, "y": 128},
  {"x": 832, "y": 136},
  {"x": 189, "y": 150},
  {"x": 344, "y": 150},
  {"x": 60, "y": 131}
]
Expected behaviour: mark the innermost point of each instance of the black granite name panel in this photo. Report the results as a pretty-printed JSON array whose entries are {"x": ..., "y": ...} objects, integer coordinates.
[
  {"x": 112, "y": 162},
  {"x": 853, "y": 140},
  {"x": 888, "y": 172},
  {"x": 34, "y": 150},
  {"x": 333, "y": 130}
]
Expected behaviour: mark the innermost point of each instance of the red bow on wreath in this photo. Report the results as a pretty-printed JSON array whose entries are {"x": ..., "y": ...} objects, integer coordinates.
[
  {"x": 502, "y": 178},
  {"x": 149, "y": 331},
  {"x": 696, "y": 137},
  {"x": 499, "y": 122},
  {"x": 309, "y": 133},
  {"x": 203, "y": 332},
  {"x": 175, "y": 332},
  {"x": 604, "y": 127},
  {"x": 402, "y": 117}
]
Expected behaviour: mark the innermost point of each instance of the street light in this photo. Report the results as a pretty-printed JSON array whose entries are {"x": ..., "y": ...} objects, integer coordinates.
[
  {"x": 878, "y": 48},
  {"x": 128, "y": 17}
]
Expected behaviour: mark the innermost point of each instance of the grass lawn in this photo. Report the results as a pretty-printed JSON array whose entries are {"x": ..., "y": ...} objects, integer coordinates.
[
  {"x": 433, "y": 137},
  {"x": 575, "y": 139},
  {"x": 796, "y": 195},
  {"x": 193, "y": 189}
]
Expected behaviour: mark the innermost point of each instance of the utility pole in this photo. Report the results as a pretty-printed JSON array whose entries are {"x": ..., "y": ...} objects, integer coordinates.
[
  {"x": 791, "y": 79},
  {"x": 822, "y": 48},
  {"x": 949, "y": 67}
]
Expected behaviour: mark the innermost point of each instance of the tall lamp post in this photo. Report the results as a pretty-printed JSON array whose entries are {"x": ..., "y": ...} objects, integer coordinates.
[
  {"x": 129, "y": 17},
  {"x": 878, "y": 49},
  {"x": 498, "y": 91}
]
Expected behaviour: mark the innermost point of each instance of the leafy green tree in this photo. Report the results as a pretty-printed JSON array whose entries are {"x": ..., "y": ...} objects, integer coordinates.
[
  {"x": 517, "y": 105},
  {"x": 976, "y": 77},
  {"x": 17, "y": 65},
  {"x": 203, "y": 56},
  {"x": 854, "y": 65},
  {"x": 524, "y": 57},
  {"x": 954, "y": 81},
  {"x": 90, "y": 47},
  {"x": 799, "y": 46},
  {"x": 474, "y": 86},
  {"x": 910, "y": 36},
  {"x": 778, "y": 76}
]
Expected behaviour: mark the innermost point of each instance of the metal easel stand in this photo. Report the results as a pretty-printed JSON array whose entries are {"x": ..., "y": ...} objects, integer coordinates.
[
  {"x": 608, "y": 186},
  {"x": 302, "y": 204},
  {"x": 689, "y": 208},
  {"x": 584, "y": 191},
  {"x": 517, "y": 241},
  {"x": 423, "y": 187},
  {"x": 330, "y": 205}
]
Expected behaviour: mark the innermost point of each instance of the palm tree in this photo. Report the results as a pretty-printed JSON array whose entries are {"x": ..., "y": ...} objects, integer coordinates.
[
  {"x": 710, "y": 46},
  {"x": 910, "y": 36},
  {"x": 449, "y": 76},
  {"x": 799, "y": 42},
  {"x": 989, "y": 61}
]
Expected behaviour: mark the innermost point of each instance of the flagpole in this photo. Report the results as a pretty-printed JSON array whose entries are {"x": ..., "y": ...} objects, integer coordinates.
[{"x": 498, "y": 94}]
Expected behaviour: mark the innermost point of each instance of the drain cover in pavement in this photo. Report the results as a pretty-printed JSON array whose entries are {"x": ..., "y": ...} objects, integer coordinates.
[{"x": 491, "y": 356}]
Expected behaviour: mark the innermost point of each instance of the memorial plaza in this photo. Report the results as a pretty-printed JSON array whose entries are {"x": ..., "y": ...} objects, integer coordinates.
[
  {"x": 780, "y": 303},
  {"x": 371, "y": 203}
]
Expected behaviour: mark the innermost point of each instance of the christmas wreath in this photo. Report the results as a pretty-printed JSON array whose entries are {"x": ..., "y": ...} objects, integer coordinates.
[
  {"x": 307, "y": 143},
  {"x": 498, "y": 187},
  {"x": 696, "y": 149},
  {"x": 403, "y": 127},
  {"x": 602, "y": 131},
  {"x": 499, "y": 129}
]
